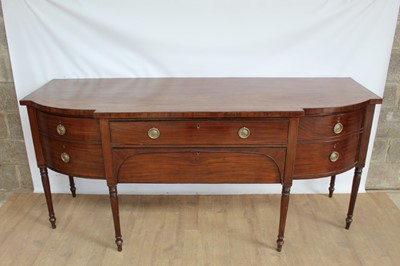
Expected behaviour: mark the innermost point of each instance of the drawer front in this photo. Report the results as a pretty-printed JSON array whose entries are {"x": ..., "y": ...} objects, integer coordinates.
[
  {"x": 67, "y": 128},
  {"x": 316, "y": 127},
  {"x": 199, "y": 132},
  {"x": 233, "y": 165},
  {"x": 83, "y": 160},
  {"x": 326, "y": 158}
]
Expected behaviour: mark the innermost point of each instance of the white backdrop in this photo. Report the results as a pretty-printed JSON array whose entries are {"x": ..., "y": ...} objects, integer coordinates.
[{"x": 188, "y": 38}]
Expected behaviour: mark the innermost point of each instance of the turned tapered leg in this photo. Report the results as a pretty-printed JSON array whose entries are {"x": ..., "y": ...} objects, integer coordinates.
[
  {"x": 282, "y": 221},
  {"x": 353, "y": 197},
  {"x": 72, "y": 186},
  {"x": 47, "y": 193},
  {"x": 332, "y": 186},
  {"x": 115, "y": 212}
]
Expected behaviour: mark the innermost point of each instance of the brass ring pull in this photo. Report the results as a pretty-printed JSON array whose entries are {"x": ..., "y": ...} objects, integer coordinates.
[
  {"x": 244, "y": 132},
  {"x": 65, "y": 157},
  {"x": 153, "y": 133},
  {"x": 338, "y": 128},
  {"x": 61, "y": 130},
  {"x": 334, "y": 156}
]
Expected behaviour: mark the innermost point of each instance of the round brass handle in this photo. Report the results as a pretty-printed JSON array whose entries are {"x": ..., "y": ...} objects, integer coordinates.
[
  {"x": 334, "y": 156},
  {"x": 65, "y": 157},
  {"x": 61, "y": 130},
  {"x": 338, "y": 128},
  {"x": 153, "y": 133},
  {"x": 244, "y": 132}
]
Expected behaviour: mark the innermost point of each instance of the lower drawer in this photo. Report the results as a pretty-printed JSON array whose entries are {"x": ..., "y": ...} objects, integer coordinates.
[
  {"x": 234, "y": 165},
  {"x": 76, "y": 159},
  {"x": 326, "y": 158}
]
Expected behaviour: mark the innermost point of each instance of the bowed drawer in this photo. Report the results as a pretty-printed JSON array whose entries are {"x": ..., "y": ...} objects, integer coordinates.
[
  {"x": 318, "y": 127},
  {"x": 76, "y": 159},
  {"x": 69, "y": 128},
  {"x": 326, "y": 158}
]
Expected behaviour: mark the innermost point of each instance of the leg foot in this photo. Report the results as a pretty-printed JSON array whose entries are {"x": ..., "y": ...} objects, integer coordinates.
[
  {"x": 52, "y": 220},
  {"x": 283, "y": 215},
  {"x": 118, "y": 241},
  {"x": 72, "y": 186},
  {"x": 47, "y": 193},
  {"x": 332, "y": 186},
  {"x": 349, "y": 219},
  {"x": 353, "y": 197},
  {"x": 279, "y": 243}
]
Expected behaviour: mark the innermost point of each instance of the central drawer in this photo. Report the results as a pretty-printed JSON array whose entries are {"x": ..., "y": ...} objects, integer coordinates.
[
  {"x": 199, "y": 165},
  {"x": 246, "y": 132}
]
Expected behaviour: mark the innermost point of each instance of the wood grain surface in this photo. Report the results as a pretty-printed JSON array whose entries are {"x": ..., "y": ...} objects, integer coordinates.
[{"x": 200, "y": 97}]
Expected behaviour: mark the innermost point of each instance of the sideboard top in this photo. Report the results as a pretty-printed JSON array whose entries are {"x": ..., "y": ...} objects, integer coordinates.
[{"x": 200, "y": 97}]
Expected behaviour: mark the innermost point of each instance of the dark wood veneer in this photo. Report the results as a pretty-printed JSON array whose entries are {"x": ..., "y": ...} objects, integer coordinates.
[
  {"x": 312, "y": 127},
  {"x": 85, "y": 160},
  {"x": 235, "y": 165},
  {"x": 78, "y": 129},
  {"x": 308, "y": 154},
  {"x": 167, "y": 98},
  {"x": 199, "y": 132},
  {"x": 99, "y": 128}
]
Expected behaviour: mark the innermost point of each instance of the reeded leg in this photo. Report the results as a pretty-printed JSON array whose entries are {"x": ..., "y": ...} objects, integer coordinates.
[
  {"x": 47, "y": 193},
  {"x": 115, "y": 212},
  {"x": 284, "y": 210},
  {"x": 332, "y": 186},
  {"x": 72, "y": 186},
  {"x": 353, "y": 197}
]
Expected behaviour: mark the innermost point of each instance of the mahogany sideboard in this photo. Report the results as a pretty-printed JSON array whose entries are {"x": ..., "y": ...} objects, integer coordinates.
[{"x": 201, "y": 130}]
